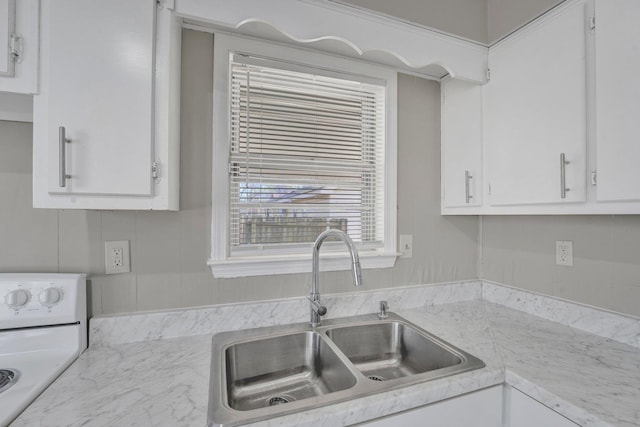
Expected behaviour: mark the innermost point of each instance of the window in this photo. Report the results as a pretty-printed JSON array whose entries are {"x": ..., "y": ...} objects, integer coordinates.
[
  {"x": 304, "y": 143},
  {"x": 306, "y": 153}
]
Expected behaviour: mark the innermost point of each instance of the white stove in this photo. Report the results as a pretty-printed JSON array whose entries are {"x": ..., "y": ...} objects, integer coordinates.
[{"x": 43, "y": 329}]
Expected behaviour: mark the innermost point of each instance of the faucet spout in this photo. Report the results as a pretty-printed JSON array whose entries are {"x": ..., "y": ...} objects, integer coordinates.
[
  {"x": 314, "y": 296},
  {"x": 357, "y": 274}
]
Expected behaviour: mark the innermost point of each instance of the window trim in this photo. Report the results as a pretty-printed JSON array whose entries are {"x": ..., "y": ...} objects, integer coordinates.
[{"x": 224, "y": 265}]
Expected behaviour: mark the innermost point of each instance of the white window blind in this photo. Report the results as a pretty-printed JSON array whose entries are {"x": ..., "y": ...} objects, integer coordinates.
[{"x": 306, "y": 153}]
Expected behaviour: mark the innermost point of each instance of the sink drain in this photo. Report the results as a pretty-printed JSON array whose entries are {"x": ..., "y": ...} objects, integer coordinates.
[
  {"x": 278, "y": 400},
  {"x": 8, "y": 377},
  {"x": 376, "y": 378}
]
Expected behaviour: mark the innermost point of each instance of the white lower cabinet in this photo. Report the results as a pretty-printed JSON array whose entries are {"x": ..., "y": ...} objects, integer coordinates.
[
  {"x": 524, "y": 411},
  {"x": 479, "y": 409},
  {"x": 499, "y": 406}
]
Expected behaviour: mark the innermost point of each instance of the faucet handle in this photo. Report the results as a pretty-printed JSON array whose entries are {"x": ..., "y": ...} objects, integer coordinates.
[
  {"x": 317, "y": 307},
  {"x": 382, "y": 314}
]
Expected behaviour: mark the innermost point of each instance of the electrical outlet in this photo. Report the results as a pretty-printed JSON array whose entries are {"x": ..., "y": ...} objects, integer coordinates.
[
  {"x": 406, "y": 245},
  {"x": 116, "y": 257},
  {"x": 564, "y": 253}
]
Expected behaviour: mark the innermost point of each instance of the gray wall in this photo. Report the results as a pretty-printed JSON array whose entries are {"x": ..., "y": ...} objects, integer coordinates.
[
  {"x": 169, "y": 249},
  {"x": 466, "y": 18},
  {"x": 520, "y": 251}
]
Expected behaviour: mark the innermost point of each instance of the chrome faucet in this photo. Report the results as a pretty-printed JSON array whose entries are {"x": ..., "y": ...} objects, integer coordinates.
[{"x": 318, "y": 309}]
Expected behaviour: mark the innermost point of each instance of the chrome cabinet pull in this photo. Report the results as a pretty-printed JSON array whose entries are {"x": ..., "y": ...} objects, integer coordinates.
[
  {"x": 62, "y": 156},
  {"x": 563, "y": 179},
  {"x": 467, "y": 194}
]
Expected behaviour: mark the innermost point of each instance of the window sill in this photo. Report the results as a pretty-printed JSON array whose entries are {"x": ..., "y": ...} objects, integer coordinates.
[{"x": 270, "y": 265}]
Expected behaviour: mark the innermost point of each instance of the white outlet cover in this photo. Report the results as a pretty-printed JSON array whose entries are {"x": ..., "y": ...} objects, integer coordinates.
[
  {"x": 111, "y": 253},
  {"x": 406, "y": 245},
  {"x": 564, "y": 253}
]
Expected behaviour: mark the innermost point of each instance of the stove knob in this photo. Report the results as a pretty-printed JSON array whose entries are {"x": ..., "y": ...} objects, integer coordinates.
[
  {"x": 18, "y": 298},
  {"x": 50, "y": 297}
]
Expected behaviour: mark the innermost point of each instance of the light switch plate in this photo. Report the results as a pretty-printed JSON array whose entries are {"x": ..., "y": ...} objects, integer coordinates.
[
  {"x": 406, "y": 245},
  {"x": 564, "y": 253},
  {"x": 116, "y": 257}
]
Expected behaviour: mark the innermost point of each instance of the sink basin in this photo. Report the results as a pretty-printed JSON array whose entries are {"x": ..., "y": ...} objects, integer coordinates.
[
  {"x": 389, "y": 350},
  {"x": 257, "y": 374},
  {"x": 282, "y": 369}
]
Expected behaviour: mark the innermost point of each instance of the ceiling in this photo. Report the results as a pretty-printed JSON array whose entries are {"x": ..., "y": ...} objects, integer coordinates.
[{"x": 481, "y": 21}]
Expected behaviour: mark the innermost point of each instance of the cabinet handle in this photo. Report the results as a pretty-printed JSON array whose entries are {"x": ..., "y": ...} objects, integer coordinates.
[
  {"x": 62, "y": 156},
  {"x": 467, "y": 195},
  {"x": 563, "y": 179}
]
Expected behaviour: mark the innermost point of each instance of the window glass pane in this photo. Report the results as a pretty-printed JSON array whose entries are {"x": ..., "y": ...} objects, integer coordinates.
[{"x": 306, "y": 154}]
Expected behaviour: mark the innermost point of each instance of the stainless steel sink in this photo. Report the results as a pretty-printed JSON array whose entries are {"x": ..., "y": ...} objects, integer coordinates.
[
  {"x": 282, "y": 369},
  {"x": 388, "y": 350},
  {"x": 267, "y": 372}
]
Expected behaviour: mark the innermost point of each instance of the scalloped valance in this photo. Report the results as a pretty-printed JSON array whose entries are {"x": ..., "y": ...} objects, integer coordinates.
[{"x": 336, "y": 28}]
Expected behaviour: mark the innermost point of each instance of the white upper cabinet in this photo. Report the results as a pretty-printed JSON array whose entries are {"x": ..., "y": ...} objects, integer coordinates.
[
  {"x": 565, "y": 86},
  {"x": 18, "y": 58},
  {"x": 19, "y": 46},
  {"x": 98, "y": 73},
  {"x": 535, "y": 112},
  {"x": 617, "y": 74},
  {"x": 7, "y": 37},
  {"x": 461, "y": 133},
  {"x": 100, "y": 135}
]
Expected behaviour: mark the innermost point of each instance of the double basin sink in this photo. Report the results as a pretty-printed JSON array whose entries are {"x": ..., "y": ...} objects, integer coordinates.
[{"x": 262, "y": 373}]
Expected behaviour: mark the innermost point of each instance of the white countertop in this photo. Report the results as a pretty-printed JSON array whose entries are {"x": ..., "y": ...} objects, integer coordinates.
[{"x": 591, "y": 380}]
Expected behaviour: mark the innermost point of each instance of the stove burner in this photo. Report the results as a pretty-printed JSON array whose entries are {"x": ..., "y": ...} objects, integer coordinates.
[{"x": 8, "y": 377}]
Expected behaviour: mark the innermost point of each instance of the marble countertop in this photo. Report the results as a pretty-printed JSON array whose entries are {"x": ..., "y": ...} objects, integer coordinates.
[{"x": 591, "y": 380}]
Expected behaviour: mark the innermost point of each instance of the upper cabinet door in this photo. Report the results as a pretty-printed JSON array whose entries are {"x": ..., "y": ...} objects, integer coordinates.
[
  {"x": 7, "y": 28},
  {"x": 535, "y": 111},
  {"x": 617, "y": 39},
  {"x": 19, "y": 39},
  {"x": 97, "y": 76},
  {"x": 461, "y": 144}
]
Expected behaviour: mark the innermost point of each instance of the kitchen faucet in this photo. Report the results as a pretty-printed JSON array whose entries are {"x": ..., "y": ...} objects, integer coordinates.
[{"x": 317, "y": 309}]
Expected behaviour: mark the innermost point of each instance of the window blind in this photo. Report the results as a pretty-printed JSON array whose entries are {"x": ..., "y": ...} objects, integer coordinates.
[{"x": 306, "y": 154}]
